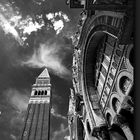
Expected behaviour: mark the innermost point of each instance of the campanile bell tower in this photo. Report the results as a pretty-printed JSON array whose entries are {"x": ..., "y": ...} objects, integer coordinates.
[{"x": 37, "y": 121}]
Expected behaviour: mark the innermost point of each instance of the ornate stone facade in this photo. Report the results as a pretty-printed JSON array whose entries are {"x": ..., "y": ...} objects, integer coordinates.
[{"x": 103, "y": 69}]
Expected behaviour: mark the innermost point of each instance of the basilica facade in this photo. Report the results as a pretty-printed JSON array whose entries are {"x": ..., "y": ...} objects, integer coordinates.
[{"x": 101, "y": 104}]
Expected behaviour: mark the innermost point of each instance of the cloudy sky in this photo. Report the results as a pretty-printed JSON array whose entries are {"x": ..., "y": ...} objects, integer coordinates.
[{"x": 34, "y": 34}]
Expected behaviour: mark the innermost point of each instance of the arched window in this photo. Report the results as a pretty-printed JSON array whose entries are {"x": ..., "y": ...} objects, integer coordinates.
[
  {"x": 45, "y": 92},
  {"x": 39, "y": 92},
  {"x": 108, "y": 118},
  {"x": 42, "y": 92},
  {"x": 124, "y": 84},
  {"x": 116, "y": 104},
  {"x": 35, "y": 93},
  {"x": 88, "y": 127}
]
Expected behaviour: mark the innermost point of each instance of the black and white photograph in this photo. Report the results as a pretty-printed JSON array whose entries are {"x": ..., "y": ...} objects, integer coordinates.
[{"x": 67, "y": 69}]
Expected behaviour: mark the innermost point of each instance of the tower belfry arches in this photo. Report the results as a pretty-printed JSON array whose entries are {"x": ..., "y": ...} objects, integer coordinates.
[{"x": 37, "y": 121}]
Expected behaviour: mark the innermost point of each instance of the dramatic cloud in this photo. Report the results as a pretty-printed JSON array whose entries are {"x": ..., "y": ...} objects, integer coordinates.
[
  {"x": 28, "y": 26},
  {"x": 57, "y": 19},
  {"x": 55, "y": 114},
  {"x": 38, "y": 2},
  {"x": 13, "y": 137},
  {"x": 9, "y": 29},
  {"x": 50, "y": 56},
  {"x": 12, "y": 22},
  {"x": 17, "y": 99},
  {"x": 67, "y": 137},
  {"x": 58, "y": 26}
]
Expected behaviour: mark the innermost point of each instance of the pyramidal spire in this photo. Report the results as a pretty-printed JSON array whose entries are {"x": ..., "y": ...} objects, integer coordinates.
[{"x": 44, "y": 74}]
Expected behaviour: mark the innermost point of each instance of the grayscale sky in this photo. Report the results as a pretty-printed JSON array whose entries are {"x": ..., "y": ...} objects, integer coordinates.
[{"x": 34, "y": 34}]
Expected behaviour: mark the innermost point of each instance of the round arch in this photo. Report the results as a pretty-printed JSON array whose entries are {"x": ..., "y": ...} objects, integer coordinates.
[
  {"x": 39, "y": 92},
  {"x": 35, "y": 92},
  {"x": 124, "y": 82},
  {"x": 113, "y": 101},
  {"x": 42, "y": 92},
  {"x": 109, "y": 113}
]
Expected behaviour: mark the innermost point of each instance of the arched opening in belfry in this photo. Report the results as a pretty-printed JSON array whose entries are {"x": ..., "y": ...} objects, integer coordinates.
[
  {"x": 39, "y": 92},
  {"x": 45, "y": 92},
  {"x": 42, "y": 92},
  {"x": 35, "y": 92}
]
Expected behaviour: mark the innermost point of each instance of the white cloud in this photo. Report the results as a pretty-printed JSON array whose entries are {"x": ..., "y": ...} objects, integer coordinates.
[
  {"x": 50, "y": 56},
  {"x": 12, "y": 22},
  {"x": 55, "y": 114},
  {"x": 9, "y": 29},
  {"x": 67, "y": 137},
  {"x": 17, "y": 99},
  {"x": 61, "y": 133},
  {"x": 28, "y": 26},
  {"x": 58, "y": 24},
  {"x": 13, "y": 137},
  {"x": 50, "y": 16},
  {"x": 39, "y": 2},
  {"x": 19, "y": 102},
  {"x": 66, "y": 18}
]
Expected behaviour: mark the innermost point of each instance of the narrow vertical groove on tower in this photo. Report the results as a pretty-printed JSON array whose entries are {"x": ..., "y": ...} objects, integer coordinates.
[
  {"x": 45, "y": 125},
  {"x": 37, "y": 124},
  {"x": 42, "y": 120},
  {"x": 31, "y": 111},
  {"x": 24, "y": 128},
  {"x": 33, "y": 129},
  {"x": 38, "y": 131}
]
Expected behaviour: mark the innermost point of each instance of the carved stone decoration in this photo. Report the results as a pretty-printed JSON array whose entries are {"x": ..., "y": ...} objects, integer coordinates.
[
  {"x": 116, "y": 133},
  {"x": 129, "y": 57},
  {"x": 79, "y": 100},
  {"x": 120, "y": 120},
  {"x": 127, "y": 104},
  {"x": 109, "y": 1},
  {"x": 123, "y": 65},
  {"x": 101, "y": 132}
]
